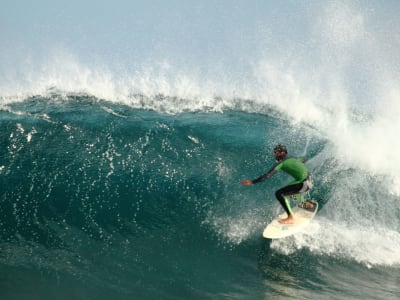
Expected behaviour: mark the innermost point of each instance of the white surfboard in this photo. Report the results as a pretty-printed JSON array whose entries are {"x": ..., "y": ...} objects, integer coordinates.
[{"x": 302, "y": 217}]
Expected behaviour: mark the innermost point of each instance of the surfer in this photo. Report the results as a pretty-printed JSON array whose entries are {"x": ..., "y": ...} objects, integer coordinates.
[{"x": 301, "y": 183}]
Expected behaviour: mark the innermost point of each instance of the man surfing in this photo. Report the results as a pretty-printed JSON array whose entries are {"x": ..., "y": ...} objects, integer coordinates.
[{"x": 301, "y": 183}]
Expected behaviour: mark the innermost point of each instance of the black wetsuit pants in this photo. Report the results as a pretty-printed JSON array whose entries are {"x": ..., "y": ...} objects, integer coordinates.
[{"x": 287, "y": 191}]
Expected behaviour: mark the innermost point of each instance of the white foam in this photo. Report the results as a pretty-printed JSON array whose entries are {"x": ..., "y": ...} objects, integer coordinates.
[
  {"x": 235, "y": 229},
  {"x": 367, "y": 245}
]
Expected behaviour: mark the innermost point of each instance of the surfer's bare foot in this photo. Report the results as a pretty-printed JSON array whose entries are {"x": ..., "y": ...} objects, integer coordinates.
[
  {"x": 310, "y": 206},
  {"x": 288, "y": 220}
]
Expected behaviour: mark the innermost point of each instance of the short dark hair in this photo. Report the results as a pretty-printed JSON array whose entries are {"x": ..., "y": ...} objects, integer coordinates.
[{"x": 280, "y": 148}]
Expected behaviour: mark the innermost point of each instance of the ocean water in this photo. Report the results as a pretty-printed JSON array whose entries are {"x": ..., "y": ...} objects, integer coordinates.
[{"x": 122, "y": 148}]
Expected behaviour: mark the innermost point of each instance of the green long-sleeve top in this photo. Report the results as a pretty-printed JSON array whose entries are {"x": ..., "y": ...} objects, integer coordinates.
[{"x": 292, "y": 166}]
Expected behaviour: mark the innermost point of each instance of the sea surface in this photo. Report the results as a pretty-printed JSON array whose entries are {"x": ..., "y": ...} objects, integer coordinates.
[
  {"x": 127, "y": 127},
  {"x": 105, "y": 201}
]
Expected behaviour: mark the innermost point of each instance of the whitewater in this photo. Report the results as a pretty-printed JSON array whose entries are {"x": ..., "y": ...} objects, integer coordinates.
[{"x": 120, "y": 167}]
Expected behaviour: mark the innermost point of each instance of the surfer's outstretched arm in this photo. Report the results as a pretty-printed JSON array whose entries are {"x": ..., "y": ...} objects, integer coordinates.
[{"x": 267, "y": 175}]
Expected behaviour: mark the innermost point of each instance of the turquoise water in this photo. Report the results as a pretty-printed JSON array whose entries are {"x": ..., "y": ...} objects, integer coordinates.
[{"x": 101, "y": 201}]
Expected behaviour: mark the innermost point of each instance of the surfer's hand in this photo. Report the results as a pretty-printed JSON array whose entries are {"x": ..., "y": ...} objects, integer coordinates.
[{"x": 247, "y": 182}]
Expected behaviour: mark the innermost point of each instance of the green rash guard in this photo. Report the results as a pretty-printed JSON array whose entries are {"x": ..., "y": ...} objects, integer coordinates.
[{"x": 293, "y": 166}]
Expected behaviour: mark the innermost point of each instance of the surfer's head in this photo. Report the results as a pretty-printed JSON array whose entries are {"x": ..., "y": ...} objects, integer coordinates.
[{"x": 280, "y": 152}]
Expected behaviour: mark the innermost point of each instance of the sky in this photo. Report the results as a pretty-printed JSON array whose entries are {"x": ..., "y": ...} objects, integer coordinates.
[
  {"x": 343, "y": 41},
  {"x": 141, "y": 29}
]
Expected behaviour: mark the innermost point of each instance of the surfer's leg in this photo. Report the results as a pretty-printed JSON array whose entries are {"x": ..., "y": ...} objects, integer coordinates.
[
  {"x": 287, "y": 191},
  {"x": 284, "y": 202}
]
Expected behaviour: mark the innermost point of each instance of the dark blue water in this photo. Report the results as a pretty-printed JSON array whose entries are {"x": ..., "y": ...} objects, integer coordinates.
[{"x": 101, "y": 200}]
